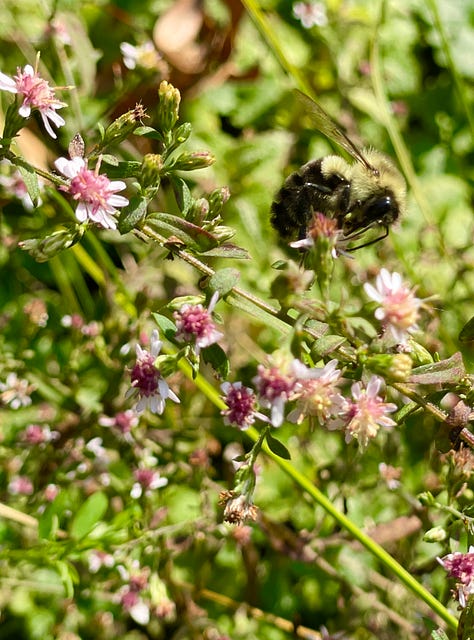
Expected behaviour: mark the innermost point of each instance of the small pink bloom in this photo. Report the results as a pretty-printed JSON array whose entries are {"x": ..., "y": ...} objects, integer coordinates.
[
  {"x": 147, "y": 383},
  {"x": 38, "y": 434},
  {"x": 317, "y": 393},
  {"x": 194, "y": 322},
  {"x": 20, "y": 485},
  {"x": 95, "y": 193},
  {"x": 241, "y": 405},
  {"x": 146, "y": 481},
  {"x": 310, "y": 14},
  {"x": 275, "y": 387},
  {"x": 461, "y": 566},
  {"x": 36, "y": 94},
  {"x": 366, "y": 412},
  {"x": 399, "y": 308}
]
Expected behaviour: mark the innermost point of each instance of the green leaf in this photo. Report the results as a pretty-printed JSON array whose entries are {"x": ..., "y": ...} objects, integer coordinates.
[
  {"x": 449, "y": 371},
  {"x": 31, "y": 182},
  {"x": 195, "y": 238},
  {"x": 88, "y": 515},
  {"x": 182, "y": 194},
  {"x": 68, "y": 575},
  {"x": 217, "y": 358},
  {"x": 467, "y": 332},
  {"x": 326, "y": 345},
  {"x": 224, "y": 280},
  {"x": 166, "y": 326},
  {"x": 48, "y": 523},
  {"x": 227, "y": 251},
  {"x": 132, "y": 214},
  {"x": 277, "y": 447}
]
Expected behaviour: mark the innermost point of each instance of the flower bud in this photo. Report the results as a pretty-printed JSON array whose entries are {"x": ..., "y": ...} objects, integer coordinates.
[
  {"x": 436, "y": 534},
  {"x": 42, "y": 249},
  {"x": 169, "y": 98},
  {"x": 124, "y": 125},
  {"x": 192, "y": 161},
  {"x": 217, "y": 199},
  {"x": 393, "y": 367},
  {"x": 152, "y": 166}
]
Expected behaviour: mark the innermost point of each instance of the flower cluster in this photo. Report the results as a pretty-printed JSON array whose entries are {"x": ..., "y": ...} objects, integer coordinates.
[{"x": 317, "y": 395}]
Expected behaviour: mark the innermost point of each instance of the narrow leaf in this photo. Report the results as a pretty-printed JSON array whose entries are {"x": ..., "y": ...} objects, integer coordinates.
[
  {"x": 277, "y": 447},
  {"x": 88, "y": 515}
]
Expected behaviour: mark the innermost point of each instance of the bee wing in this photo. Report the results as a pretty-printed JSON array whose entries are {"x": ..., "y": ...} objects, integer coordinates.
[{"x": 326, "y": 125}]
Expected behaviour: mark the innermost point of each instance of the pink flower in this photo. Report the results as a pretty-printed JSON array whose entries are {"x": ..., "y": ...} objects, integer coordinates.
[
  {"x": 317, "y": 393},
  {"x": 398, "y": 308},
  {"x": 461, "y": 566},
  {"x": 275, "y": 387},
  {"x": 146, "y": 481},
  {"x": 366, "y": 412},
  {"x": 147, "y": 383},
  {"x": 95, "y": 193},
  {"x": 36, "y": 94},
  {"x": 310, "y": 14},
  {"x": 20, "y": 485},
  {"x": 194, "y": 322},
  {"x": 241, "y": 402}
]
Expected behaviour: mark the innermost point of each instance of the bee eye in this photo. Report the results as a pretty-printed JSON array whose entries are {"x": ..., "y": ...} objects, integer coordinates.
[{"x": 380, "y": 209}]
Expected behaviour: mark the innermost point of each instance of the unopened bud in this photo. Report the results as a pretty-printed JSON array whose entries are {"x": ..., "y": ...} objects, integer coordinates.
[
  {"x": 169, "y": 98},
  {"x": 222, "y": 233},
  {"x": 195, "y": 160},
  {"x": 217, "y": 199},
  {"x": 393, "y": 367},
  {"x": 43, "y": 249},
  {"x": 436, "y": 534},
  {"x": 152, "y": 166},
  {"x": 124, "y": 125}
]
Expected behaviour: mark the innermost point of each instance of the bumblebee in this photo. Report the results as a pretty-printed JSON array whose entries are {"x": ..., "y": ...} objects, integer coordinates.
[{"x": 365, "y": 194}]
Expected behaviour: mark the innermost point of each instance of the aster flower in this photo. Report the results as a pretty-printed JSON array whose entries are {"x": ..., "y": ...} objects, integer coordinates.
[
  {"x": 95, "y": 193},
  {"x": 275, "y": 388},
  {"x": 241, "y": 405},
  {"x": 37, "y": 95},
  {"x": 15, "y": 391},
  {"x": 195, "y": 323},
  {"x": 147, "y": 382},
  {"x": 146, "y": 481},
  {"x": 317, "y": 392},
  {"x": 461, "y": 566},
  {"x": 367, "y": 412},
  {"x": 310, "y": 14},
  {"x": 399, "y": 308},
  {"x": 143, "y": 55}
]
